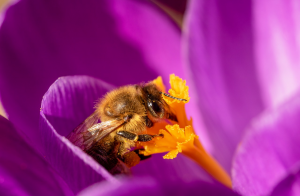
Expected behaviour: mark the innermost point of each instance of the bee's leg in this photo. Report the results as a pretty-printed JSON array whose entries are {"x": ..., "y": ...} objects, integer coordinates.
[
  {"x": 128, "y": 139},
  {"x": 135, "y": 137},
  {"x": 128, "y": 135},
  {"x": 147, "y": 137},
  {"x": 126, "y": 143}
]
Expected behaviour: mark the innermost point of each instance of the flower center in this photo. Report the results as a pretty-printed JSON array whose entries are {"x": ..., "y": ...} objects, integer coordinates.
[{"x": 180, "y": 137}]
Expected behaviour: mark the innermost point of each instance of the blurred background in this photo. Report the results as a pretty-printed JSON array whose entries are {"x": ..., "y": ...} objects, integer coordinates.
[{"x": 174, "y": 8}]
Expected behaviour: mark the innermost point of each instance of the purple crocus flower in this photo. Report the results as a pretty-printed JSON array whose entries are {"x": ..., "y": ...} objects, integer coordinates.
[{"x": 239, "y": 58}]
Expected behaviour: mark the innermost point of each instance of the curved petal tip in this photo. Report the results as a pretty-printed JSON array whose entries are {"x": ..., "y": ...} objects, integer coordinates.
[{"x": 65, "y": 105}]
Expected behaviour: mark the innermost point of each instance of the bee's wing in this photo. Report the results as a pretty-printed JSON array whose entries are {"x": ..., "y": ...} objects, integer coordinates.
[
  {"x": 90, "y": 132},
  {"x": 75, "y": 136},
  {"x": 99, "y": 131}
]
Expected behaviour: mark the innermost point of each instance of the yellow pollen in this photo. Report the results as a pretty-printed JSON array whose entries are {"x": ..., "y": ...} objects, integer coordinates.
[
  {"x": 175, "y": 139},
  {"x": 178, "y": 89}
]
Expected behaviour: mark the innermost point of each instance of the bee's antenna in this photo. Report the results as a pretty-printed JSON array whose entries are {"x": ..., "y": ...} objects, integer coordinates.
[{"x": 167, "y": 95}]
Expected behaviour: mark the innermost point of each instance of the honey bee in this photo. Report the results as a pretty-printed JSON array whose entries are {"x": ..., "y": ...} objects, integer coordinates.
[{"x": 125, "y": 114}]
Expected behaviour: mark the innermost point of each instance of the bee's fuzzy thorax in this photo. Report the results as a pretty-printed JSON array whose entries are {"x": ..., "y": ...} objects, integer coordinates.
[{"x": 119, "y": 103}]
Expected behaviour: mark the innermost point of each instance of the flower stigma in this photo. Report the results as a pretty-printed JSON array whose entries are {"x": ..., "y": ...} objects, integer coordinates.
[{"x": 180, "y": 137}]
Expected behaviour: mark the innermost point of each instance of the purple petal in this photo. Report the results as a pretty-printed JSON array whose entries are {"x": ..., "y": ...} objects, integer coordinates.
[
  {"x": 219, "y": 41},
  {"x": 277, "y": 48},
  {"x": 180, "y": 168},
  {"x": 149, "y": 186},
  {"x": 290, "y": 185},
  {"x": 218, "y": 46},
  {"x": 269, "y": 150},
  {"x": 120, "y": 42},
  {"x": 67, "y": 103},
  {"x": 22, "y": 170},
  {"x": 243, "y": 57}
]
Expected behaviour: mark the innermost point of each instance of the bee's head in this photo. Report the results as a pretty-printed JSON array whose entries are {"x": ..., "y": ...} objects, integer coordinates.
[{"x": 155, "y": 104}]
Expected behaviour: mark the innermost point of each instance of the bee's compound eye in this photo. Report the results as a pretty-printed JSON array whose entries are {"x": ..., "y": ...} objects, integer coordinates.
[{"x": 156, "y": 108}]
